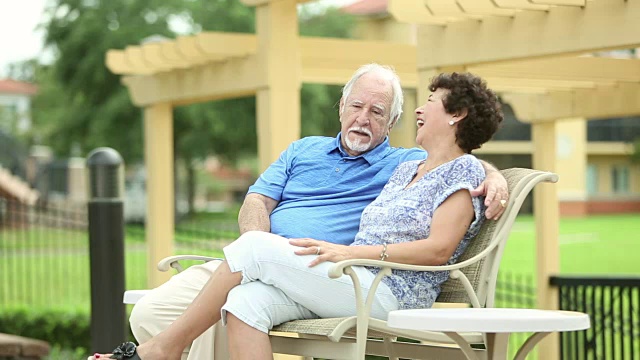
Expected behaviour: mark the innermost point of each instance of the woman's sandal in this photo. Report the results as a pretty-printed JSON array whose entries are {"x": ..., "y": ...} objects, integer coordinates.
[{"x": 125, "y": 351}]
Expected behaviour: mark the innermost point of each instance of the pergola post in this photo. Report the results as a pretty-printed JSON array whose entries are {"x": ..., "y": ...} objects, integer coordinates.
[
  {"x": 404, "y": 132},
  {"x": 547, "y": 218},
  {"x": 158, "y": 157},
  {"x": 424, "y": 79},
  {"x": 571, "y": 166},
  {"x": 278, "y": 105}
]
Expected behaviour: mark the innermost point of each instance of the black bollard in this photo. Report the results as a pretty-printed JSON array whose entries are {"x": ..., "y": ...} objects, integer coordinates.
[{"x": 106, "y": 249}]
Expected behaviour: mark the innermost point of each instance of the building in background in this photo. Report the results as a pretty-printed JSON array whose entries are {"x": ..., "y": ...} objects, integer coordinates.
[
  {"x": 15, "y": 120},
  {"x": 15, "y": 106}
]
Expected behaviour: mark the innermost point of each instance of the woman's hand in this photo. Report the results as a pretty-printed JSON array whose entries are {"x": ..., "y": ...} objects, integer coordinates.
[{"x": 326, "y": 251}]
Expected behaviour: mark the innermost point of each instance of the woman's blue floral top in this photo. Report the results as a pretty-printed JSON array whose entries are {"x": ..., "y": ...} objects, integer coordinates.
[{"x": 401, "y": 214}]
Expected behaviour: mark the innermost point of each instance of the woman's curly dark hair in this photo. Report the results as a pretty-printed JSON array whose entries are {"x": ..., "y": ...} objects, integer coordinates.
[{"x": 484, "y": 112}]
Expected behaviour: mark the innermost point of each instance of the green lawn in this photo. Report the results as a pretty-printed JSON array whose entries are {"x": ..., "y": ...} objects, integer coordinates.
[
  {"x": 39, "y": 273},
  {"x": 593, "y": 245},
  {"x": 50, "y": 267}
]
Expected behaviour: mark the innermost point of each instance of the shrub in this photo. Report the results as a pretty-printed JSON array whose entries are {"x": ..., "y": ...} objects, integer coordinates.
[{"x": 64, "y": 328}]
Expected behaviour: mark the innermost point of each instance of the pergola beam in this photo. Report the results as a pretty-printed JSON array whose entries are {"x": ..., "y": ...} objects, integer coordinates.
[
  {"x": 592, "y": 69},
  {"x": 207, "y": 82},
  {"x": 227, "y": 44},
  {"x": 607, "y": 102},
  {"x": 484, "y": 7},
  {"x": 339, "y": 75},
  {"x": 560, "y": 2},
  {"x": 184, "y": 52},
  {"x": 562, "y": 30},
  {"x": 446, "y": 8},
  {"x": 190, "y": 50},
  {"x": 519, "y": 4},
  {"x": 213, "y": 46},
  {"x": 324, "y": 61},
  {"x": 359, "y": 52},
  {"x": 154, "y": 55},
  {"x": 413, "y": 12},
  {"x": 134, "y": 57},
  {"x": 500, "y": 83},
  {"x": 332, "y": 61}
]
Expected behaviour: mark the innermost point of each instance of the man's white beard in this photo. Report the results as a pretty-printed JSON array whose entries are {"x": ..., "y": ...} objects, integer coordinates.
[{"x": 358, "y": 145}]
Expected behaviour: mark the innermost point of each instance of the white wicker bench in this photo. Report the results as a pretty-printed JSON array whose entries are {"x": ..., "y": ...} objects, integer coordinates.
[{"x": 472, "y": 283}]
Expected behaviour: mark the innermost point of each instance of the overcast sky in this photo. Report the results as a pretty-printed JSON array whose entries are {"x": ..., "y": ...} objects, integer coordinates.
[{"x": 19, "y": 37}]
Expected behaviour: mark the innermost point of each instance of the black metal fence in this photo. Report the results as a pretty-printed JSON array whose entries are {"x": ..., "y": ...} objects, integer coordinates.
[
  {"x": 44, "y": 254},
  {"x": 613, "y": 305},
  {"x": 515, "y": 290}
]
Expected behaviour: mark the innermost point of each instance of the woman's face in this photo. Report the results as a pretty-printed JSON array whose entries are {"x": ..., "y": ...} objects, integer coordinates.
[{"x": 432, "y": 119}]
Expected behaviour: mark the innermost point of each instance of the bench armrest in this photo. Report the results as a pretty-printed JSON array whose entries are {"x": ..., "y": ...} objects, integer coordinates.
[
  {"x": 343, "y": 268},
  {"x": 173, "y": 261},
  {"x": 338, "y": 268}
]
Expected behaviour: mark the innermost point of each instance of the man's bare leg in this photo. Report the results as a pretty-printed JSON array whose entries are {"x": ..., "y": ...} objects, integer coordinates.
[{"x": 198, "y": 317}]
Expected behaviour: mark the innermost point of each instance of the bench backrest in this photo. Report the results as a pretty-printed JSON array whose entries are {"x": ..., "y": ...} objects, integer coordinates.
[{"x": 483, "y": 274}]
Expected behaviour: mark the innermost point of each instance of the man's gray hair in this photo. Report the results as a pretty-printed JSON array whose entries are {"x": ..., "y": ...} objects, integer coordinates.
[{"x": 389, "y": 74}]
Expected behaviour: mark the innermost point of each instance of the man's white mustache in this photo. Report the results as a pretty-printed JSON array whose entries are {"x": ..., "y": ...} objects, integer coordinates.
[{"x": 360, "y": 129}]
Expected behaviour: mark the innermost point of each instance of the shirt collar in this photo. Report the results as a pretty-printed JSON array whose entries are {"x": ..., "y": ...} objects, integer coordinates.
[{"x": 371, "y": 156}]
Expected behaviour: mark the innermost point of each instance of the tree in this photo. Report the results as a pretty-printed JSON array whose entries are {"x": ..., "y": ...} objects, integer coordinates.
[
  {"x": 82, "y": 105},
  {"x": 86, "y": 105},
  {"x": 635, "y": 156},
  {"x": 227, "y": 128},
  {"x": 23, "y": 70}
]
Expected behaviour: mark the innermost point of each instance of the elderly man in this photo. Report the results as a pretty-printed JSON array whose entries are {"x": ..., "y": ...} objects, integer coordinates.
[{"x": 316, "y": 189}]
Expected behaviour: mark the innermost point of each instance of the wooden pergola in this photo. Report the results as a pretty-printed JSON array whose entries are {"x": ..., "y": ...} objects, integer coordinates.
[
  {"x": 272, "y": 65},
  {"x": 536, "y": 53}
]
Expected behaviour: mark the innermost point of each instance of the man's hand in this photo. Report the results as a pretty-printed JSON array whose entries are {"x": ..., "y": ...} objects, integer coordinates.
[
  {"x": 494, "y": 188},
  {"x": 324, "y": 250}
]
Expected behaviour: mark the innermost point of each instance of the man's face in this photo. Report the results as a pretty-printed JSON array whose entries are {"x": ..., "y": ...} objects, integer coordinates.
[{"x": 365, "y": 114}]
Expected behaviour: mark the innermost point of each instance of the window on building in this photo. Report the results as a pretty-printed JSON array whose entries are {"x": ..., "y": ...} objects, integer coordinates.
[
  {"x": 592, "y": 179},
  {"x": 8, "y": 117},
  {"x": 620, "y": 179}
]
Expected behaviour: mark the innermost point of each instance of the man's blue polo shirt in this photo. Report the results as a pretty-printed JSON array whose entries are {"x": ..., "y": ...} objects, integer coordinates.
[{"x": 321, "y": 190}]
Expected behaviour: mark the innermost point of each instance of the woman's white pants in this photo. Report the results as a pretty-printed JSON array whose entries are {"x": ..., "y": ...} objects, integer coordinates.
[{"x": 277, "y": 286}]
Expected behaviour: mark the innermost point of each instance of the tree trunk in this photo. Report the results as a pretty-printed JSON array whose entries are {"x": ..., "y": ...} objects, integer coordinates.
[{"x": 191, "y": 186}]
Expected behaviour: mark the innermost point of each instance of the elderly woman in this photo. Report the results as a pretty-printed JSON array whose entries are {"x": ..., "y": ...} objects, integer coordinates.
[{"x": 425, "y": 215}]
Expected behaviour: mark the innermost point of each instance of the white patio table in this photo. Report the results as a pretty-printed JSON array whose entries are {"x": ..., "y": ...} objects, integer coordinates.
[{"x": 496, "y": 323}]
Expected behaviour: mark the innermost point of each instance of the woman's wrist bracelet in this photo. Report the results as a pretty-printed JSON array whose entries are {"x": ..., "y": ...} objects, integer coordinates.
[{"x": 383, "y": 254}]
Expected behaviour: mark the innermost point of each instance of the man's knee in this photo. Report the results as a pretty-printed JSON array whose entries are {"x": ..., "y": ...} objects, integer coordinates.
[
  {"x": 144, "y": 320},
  {"x": 161, "y": 306},
  {"x": 259, "y": 244},
  {"x": 251, "y": 239},
  {"x": 141, "y": 310}
]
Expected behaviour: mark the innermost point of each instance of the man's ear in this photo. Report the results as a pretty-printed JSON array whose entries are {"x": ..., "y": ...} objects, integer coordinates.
[
  {"x": 341, "y": 107},
  {"x": 393, "y": 123},
  {"x": 462, "y": 114}
]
